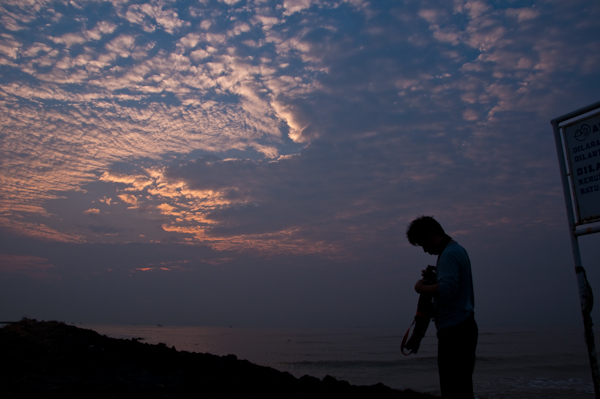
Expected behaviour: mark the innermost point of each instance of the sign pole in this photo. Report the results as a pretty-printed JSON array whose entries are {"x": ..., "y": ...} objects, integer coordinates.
[{"x": 585, "y": 291}]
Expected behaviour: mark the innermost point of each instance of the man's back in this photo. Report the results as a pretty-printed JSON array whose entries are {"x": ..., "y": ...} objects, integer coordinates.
[{"x": 456, "y": 299}]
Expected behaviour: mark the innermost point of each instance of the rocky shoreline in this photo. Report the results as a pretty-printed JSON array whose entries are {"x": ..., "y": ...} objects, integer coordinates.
[{"x": 55, "y": 360}]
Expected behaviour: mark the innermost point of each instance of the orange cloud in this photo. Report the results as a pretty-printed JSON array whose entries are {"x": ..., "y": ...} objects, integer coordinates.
[
  {"x": 129, "y": 199},
  {"x": 34, "y": 267},
  {"x": 37, "y": 230}
]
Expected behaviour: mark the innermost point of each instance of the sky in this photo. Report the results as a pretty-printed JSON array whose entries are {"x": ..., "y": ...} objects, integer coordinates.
[{"x": 256, "y": 162}]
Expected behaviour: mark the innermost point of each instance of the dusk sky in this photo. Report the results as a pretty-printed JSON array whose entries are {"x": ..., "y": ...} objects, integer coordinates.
[{"x": 256, "y": 162}]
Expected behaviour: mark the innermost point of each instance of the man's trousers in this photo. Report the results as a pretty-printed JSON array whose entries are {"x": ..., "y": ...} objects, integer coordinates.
[{"x": 456, "y": 359}]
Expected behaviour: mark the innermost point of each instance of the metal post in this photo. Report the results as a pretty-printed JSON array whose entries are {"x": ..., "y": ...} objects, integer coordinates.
[{"x": 585, "y": 291}]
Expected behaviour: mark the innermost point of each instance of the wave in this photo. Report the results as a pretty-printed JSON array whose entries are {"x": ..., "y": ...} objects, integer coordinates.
[{"x": 361, "y": 363}]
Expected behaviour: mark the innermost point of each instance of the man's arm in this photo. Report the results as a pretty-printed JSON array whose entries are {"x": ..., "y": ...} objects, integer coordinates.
[{"x": 430, "y": 289}]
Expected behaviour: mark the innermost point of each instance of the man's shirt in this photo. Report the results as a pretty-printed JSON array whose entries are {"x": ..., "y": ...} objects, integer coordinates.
[{"x": 455, "y": 301}]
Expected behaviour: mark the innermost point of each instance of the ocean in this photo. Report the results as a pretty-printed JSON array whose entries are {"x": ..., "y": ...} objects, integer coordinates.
[{"x": 516, "y": 362}]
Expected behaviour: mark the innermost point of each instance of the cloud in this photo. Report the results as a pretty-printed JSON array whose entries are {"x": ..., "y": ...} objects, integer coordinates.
[
  {"x": 153, "y": 15},
  {"x": 13, "y": 224},
  {"x": 138, "y": 182},
  {"x": 32, "y": 266},
  {"x": 268, "y": 142},
  {"x": 10, "y": 23},
  {"x": 121, "y": 45},
  {"x": 101, "y": 29},
  {"x": 430, "y": 15},
  {"x": 168, "y": 86},
  {"x": 476, "y": 8},
  {"x": 470, "y": 115},
  {"x": 166, "y": 209},
  {"x": 293, "y": 6},
  {"x": 69, "y": 39},
  {"x": 523, "y": 14},
  {"x": 9, "y": 47},
  {"x": 129, "y": 199}
]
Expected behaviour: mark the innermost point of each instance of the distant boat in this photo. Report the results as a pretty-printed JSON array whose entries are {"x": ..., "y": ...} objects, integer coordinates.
[{"x": 159, "y": 325}]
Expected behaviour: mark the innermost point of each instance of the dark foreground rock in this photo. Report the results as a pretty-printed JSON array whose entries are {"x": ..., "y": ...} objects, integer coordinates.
[{"x": 56, "y": 360}]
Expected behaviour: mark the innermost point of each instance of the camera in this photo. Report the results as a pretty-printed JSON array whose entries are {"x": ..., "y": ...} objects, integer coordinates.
[
  {"x": 425, "y": 312},
  {"x": 430, "y": 275}
]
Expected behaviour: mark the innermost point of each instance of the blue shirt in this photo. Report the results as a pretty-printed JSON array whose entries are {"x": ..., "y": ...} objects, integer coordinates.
[{"x": 455, "y": 301}]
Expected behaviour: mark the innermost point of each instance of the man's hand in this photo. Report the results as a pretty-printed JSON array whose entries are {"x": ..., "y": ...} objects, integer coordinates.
[
  {"x": 419, "y": 286},
  {"x": 423, "y": 288}
]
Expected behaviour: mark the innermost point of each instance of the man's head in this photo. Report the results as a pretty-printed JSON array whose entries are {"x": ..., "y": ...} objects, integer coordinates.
[{"x": 427, "y": 233}]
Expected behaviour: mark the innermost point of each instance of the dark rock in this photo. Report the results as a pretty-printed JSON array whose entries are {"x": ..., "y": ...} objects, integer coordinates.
[{"x": 55, "y": 360}]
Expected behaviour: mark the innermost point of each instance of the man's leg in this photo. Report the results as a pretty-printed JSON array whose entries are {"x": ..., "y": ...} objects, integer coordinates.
[{"x": 456, "y": 359}]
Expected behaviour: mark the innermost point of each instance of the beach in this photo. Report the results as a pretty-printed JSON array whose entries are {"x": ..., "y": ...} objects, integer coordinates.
[
  {"x": 63, "y": 360},
  {"x": 513, "y": 361},
  {"x": 56, "y": 360}
]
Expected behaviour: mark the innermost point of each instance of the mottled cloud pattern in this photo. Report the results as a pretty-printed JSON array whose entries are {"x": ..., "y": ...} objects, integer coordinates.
[{"x": 285, "y": 128}]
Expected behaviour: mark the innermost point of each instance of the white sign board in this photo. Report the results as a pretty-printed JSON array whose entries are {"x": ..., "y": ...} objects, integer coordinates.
[{"x": 583, "y": 151}]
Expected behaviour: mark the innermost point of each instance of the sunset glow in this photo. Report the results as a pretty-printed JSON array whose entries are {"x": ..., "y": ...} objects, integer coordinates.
[{"x": 261, "y": 144}]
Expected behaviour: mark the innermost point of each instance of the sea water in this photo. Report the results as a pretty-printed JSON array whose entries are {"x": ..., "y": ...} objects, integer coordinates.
[{"x": 514, "y": 362}]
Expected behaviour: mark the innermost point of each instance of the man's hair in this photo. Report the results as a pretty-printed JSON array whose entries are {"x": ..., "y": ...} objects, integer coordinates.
[{"x": 421, "y": 228}]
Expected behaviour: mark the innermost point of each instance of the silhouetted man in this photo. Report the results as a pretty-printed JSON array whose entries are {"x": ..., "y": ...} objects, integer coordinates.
[{"x": 453, "y": 302}]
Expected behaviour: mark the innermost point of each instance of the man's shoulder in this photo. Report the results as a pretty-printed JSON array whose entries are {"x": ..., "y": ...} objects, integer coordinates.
[{"x": 454, "y": 249}]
